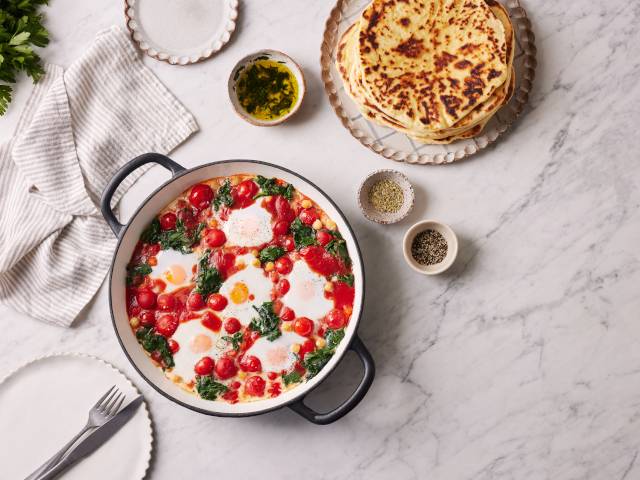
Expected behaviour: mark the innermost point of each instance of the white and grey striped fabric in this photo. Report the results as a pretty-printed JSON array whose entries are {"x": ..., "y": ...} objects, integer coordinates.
[{"x": 78, "y": 128}]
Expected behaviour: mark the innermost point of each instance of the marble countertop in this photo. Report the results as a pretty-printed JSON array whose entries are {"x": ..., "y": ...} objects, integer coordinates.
[{"x": 519, "y": 363}]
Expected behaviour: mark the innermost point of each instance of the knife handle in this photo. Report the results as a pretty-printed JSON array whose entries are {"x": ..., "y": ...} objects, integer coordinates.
[
  {"x": 57, "y": 469},
  {"x": 58, "y": 455}
]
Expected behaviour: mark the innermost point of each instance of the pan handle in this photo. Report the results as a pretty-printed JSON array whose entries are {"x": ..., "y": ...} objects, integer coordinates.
[
  {"x": 361, "y": 390},
  {"x": 114, "y": 183}
]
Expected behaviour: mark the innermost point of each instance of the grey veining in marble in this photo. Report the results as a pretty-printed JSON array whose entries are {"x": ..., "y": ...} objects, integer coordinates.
[{"x": 521, "y": 362}]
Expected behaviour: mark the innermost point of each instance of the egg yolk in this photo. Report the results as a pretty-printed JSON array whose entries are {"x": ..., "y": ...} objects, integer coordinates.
[
  {"x": 175, "y": 275},
  {"x": 200, "y": 343},
  {"x": 239, "y": 293}
]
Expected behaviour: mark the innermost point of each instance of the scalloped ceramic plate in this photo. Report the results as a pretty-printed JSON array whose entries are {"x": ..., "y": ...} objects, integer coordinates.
[
  {"x": 181, "y": 31},
  {"x": 397, "y": 146},
  {"x": 44, "y": 403}
]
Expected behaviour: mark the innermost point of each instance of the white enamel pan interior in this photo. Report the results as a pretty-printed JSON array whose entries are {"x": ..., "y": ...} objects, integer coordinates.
[{"x": 128, "y": 237}]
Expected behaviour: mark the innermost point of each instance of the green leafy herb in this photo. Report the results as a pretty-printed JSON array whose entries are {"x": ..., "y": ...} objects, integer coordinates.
[
  {"x": 270, "y": 186},
  {"x": 235, "y": 340},
  {"x": 153, "y": 342},
  {"x": 348, "y": 279},
  {"x": 337, "y": 246},
  {"x": 209, "y": 279},
  {"x": 270, "y": 254},
  {"x": 208, "y": 388},
  {"x": 303, "y": 235},
  {"x": 180, "y": 238},
  {"x": 152, "y": 233},
  {"x": 314, "y": 361},
  {"x": 291, "y": 377},
  {"x": 223, "y": 197},
  {"x": 136, "y": 271},
  {"x": 267, "y": 323},
  {"x": 20, "y": 29}
]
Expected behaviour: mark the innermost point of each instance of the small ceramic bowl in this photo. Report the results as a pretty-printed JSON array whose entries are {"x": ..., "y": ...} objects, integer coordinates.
[
  {"x": 383, "y": 217},
  {"x": 448, "y": 234},
  {"x": 248, "y": 60}
]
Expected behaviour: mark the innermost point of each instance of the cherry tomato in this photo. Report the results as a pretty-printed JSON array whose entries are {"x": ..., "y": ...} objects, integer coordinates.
[
  {"x": 284, "y": 265},
  {"x": 146, "y": 298},
  {"x": 247, "y": 189},
  {"x": 217, "y": 302},
  {"x": 204, "y": 366},
  {"x": 272, "y": 375},
  {"x": 249, "y": 363},
  {"x": 201, "y": 196},
  {"x": 284, "y": 210},
  {"x": 187, "y": 218},
  {"x": 223, "y": 261},
  {"x": 287, "y": 314},
  {"x": 147, "y": 318},
  {"x": 215, "y": 238},
  {"x": 166, "y": 302},
  {"x": 308, "y": 216},
  {"x": 254, "y": 386},
  {"x": 303, "y": 326},
  {"x": 195, "y": 301},
  {"x": 336, "y": 319},
  {"x": 225, "y": 368},
  {"x": 157, "y": 356},
  {"x": 281, "y": 227},
  {"x": 288, "y": 244},
  {"x": 166, "y": 325},
  {"x": 211, "y": 321},
  {"x": 168, "y": 221},
  {"x": 236, "y": 385},
  {"x": 308, "y": 346},
  {"x": 323, "y": 237},
  {"x": 283, "y": 287},
  {"x": 232, "y": 325},
  {"x": 320, "y": 260},
  {"x": 173, "y": 345}
]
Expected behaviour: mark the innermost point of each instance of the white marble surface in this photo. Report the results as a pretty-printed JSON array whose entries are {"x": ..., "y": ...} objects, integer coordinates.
[{"x": 522, "y": 362}]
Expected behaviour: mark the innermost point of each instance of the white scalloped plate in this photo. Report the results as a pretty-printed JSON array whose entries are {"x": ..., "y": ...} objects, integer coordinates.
[
  {"x": 44, "y": 403},
  {"x": 181, "y": 32},
  {"x": 397, "y": 146}
]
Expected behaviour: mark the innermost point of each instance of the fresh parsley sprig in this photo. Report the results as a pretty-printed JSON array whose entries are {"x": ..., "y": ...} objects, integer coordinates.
[{"x": 20, "y": 29}]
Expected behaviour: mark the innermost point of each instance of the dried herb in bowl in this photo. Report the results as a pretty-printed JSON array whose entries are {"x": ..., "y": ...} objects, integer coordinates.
[{"x": 386, "y": 196}]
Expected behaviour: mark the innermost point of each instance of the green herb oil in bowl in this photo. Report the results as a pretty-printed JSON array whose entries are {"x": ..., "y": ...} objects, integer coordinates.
[{"x": 267, "y": 89}]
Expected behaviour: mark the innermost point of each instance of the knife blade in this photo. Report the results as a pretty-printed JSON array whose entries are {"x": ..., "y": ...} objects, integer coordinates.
[{"x": 94, "y": 440}]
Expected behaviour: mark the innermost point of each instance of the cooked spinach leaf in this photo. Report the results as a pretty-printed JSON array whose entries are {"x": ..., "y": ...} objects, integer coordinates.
[
  {"x": 223, "y": 196},
  {"x": 180, "y": 238},
  {"x": 270, "y": 186},
  {"x": 136, "y": 271},
  {"x": 291, "y": 377},
  {"x": 152, "y": 342},
  {"x": 152, "y": 233},
  {"x": 235, "y": 340},
  {"x": 267, "y": 323},
  {"x": 303, "y": 235},
  {"x": 348, "y": 279},
  {"x": 270, "y": 254},
  {"x": 208, "y": 388},
  {"x": 209, "y": 279},
  {"x": 314, "y": 361},
  {"x": 337, "y": 246}
]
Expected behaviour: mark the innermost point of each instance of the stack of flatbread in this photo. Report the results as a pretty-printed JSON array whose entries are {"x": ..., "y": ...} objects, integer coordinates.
[{"x": 436, "y": 70}]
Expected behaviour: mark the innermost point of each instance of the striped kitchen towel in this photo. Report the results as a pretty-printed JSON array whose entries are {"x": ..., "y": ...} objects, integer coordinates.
[{"x": 78, "y": 127}]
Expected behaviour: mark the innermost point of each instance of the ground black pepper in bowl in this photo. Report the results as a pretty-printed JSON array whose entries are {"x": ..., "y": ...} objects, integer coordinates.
[{"x": 429, "y": 247}]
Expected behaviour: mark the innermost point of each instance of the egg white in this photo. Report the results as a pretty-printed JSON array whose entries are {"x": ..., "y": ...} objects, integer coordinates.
[
  {"x": 247, "y": 227},
  {"x": 258, "y": 285},
  {"x": 276, "y": 355},
  {"x": 306, "y": 293},
  {"x": 186, "y": 357},
  {"x": 169, "y": 260}
]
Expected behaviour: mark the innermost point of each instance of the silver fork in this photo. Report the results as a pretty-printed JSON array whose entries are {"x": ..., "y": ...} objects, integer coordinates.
[{"x": 104, "y": 409}]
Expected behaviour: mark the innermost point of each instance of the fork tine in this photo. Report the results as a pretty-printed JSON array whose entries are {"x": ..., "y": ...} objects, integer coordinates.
[
  {"x": 103, "y": 397},
  {"x": 112, "y": 401},
  {"x": 104, "y": 406},
  {"x": 116, "y": 407}
]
